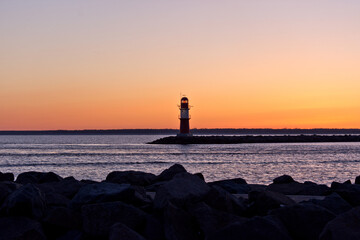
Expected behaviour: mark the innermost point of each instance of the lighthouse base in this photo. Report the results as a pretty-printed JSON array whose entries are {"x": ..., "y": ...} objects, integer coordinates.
[{"x": 184, "y": 135}]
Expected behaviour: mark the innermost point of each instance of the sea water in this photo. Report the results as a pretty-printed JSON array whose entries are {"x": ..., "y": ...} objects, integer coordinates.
[{"x": 94, "y": 156}]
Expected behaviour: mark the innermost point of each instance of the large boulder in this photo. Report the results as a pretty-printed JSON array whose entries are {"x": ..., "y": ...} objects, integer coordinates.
[
  {"x": 28, "y": 201},
  {"x": 67, "y": 187},
  {"x": 37, "y": 177},
  {"x": 333, "y": 203},
  {"x": 6, "y": 177},
  {"x": 222, "y": 200},
  {"x": 295, "y": 188},
  {"x": 102, "y": 192},
  {"x": 345, "y": 226},
  {"x": 120, "y": 231},
  {"x": 357, "y": 180},
  {"x": 131, "y": 177},
  {"x": 6, "y": 188},
  {"x": 55, "y": 199},
  {"x": 262, "y": 202},
  {"x": 98, "y": 218},
  {"x": 283, "y": 179},
  {"x": 236, "y": 185},
  {"x": 349, "y": 192},
  {"x": 72, "y": 235},
  {"x": 29, "y": 177},
  {"x": 60, "y": 220},
  {"x": 179, "y": 224},
  {"x": 183, "y": 188},
  {"x": 252, "y": 229},
  {"x": 153, "y": 229},
  {"x": 303, "y": 221},
  {"x": 50, "y": 177},
  {"x": 210, "y": 220},
  {"x": 16, "y": 228},
  {"x": 169, "y": 173}
]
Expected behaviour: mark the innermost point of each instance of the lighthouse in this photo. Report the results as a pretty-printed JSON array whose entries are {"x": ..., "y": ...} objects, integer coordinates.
[{"x": 184, "y": 117}]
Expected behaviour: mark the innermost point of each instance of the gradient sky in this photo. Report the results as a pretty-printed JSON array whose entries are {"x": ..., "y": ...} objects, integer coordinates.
[{"x": 87, "y": 64}]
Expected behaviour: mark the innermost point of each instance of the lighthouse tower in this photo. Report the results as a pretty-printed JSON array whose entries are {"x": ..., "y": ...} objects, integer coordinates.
[{"x": 184, "y": 117}]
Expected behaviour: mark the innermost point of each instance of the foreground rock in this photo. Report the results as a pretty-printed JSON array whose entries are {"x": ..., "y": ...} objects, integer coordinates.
[
  {"x": 37, "y": 177},
  {"x": 14, "y": 228},
  {"x": 175, "y": 205},
  {"x": 6, "y": 188},
  {"x": 210, "y": 220},
  {"x": 236, "y": 185},
  {"x": 283, "y": 179},
  {"x": 262, "y": 202},
  {"x": 67, "y": 187},
  {"x": 170, "y": 173},
  {"x": 98, "y": 218},
  {"x": 182, "y": 189},
  {"x": 108, "y": 192},
  {"x": 334, "y": 203},
  {"x": 296, "y": 188},
  {"x": 345, "y": 226},
  {"x": 131, "y": 177},
  {"x": 28, "y": 201},
  {"x": 6, "y": 177},
  {"x": 252, "y": 229},
  {"x": 121, "y": 231},
  {"x": 179, "y": 224},
  {"x": 303, "y": 221},
  {"x": 349, "y": 192}
]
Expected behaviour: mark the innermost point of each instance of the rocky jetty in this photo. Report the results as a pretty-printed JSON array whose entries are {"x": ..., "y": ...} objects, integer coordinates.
[
  {"x": 255, "y": 139},
  {"x": 174, "y": 205}
]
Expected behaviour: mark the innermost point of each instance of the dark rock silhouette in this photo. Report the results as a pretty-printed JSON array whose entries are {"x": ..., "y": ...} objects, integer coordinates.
[
  {"x": 121, "y": 231},
  {"x": 37, "y": 177},
  {"x": 303, "y": 221},
  {"x": 169, "y": 173},
  {"x": 175, "y": 205},
  {"x": 236, "y": 185},
  {"x": 98, "y": 218},
  {"x": 182, "y": 189},
  {"x": 13, "y": 228},
  {"x": 349, "y": 192},
  {"x": 131, "y": 177},
  {"x": 6, "y": 177},
  {"x": 283, "y": 179},
  {"x": 222, "y": 200},
  {"x": 345, "y": 226},
  {"x": 28, "y": 201},
  {"x": 261, "y": 202},
  {"x": 333, "y": 203},
  {"x": 295, "y": 188},
  {"x": 357, "y": 180},
  {"x": 252, "y": 229}
]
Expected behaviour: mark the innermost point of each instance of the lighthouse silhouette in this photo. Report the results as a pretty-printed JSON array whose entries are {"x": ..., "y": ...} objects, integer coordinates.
[{"x": 184, "y": 117}]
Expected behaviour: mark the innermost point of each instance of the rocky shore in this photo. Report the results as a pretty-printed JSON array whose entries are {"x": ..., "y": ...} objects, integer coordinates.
[
  {"x": 255, "y": 139},
  {"x": 174, "y": 205}
]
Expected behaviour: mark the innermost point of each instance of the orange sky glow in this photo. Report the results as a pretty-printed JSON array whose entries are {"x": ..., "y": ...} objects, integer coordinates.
[{"x": 123, "y": 64}]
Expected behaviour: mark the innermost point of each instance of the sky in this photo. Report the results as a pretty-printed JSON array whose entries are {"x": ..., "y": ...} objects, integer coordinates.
[{"x": 85, "y": 64}]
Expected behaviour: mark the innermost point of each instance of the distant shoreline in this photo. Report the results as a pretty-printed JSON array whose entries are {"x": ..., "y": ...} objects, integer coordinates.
[{"x": 204, "y": 131}]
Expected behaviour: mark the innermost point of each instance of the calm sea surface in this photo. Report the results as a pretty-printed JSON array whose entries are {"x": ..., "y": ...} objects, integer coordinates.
[{"x": 93, "y": 157}]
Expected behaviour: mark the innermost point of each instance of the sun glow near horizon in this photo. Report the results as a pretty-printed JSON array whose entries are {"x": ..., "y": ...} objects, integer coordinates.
[{"x": 92, "y": 65}]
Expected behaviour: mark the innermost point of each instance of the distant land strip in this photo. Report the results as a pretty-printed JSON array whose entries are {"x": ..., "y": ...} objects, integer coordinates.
[
  {"x": 202, "y": 131},
  {"x": 257, "y": 139}
]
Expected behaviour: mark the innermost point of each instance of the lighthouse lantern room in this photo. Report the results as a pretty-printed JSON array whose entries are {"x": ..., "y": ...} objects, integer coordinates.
[{"x": 184, "y": 117}]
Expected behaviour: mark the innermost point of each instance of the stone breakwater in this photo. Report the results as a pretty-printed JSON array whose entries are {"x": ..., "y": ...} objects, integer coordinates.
[
  {"x": 177, "y": 205},
  {"x": 256, "y": 139}
]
